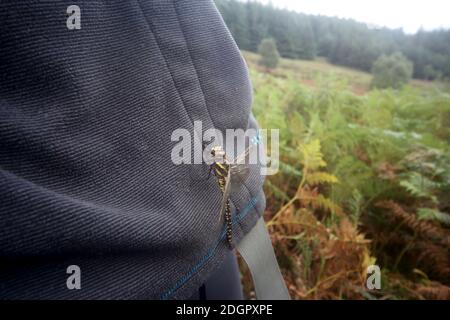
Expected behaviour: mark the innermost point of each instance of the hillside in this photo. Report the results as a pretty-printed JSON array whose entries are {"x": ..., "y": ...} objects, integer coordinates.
[
  {"x": 343, "y": 42},
  {"x": 309, "y": 72},
  {"x": 364, "y": 180}
]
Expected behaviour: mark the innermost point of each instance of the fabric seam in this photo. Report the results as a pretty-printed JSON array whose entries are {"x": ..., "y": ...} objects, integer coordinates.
[{"x": 238, "y": 217}]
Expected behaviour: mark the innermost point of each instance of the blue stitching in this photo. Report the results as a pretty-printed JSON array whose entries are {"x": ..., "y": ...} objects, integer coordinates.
[{"x": 238, "y": 217}]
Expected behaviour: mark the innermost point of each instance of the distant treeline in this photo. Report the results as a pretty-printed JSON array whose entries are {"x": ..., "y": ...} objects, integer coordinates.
[{"x": 341, "y": 41}]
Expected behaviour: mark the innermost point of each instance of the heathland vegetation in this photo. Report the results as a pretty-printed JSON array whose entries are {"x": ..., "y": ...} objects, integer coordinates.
[
  {"x": 365, "y": 158},
  {"x": 364, "y": 180}
]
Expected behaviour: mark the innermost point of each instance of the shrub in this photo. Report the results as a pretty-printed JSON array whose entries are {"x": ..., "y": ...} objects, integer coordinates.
[
  {"x": 391, "y": 71},
  {"x": 269, "y": 53}
]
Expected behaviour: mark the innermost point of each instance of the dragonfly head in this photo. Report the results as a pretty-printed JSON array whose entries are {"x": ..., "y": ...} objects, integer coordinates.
[{"x": 218, "y": 154}]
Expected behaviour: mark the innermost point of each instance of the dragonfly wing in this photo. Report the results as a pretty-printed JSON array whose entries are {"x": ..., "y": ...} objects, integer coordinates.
[
  {"x": 239, "y": 173},
  {"x": 243, "y": 157}
]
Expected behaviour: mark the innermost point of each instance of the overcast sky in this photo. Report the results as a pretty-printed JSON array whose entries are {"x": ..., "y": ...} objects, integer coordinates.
[{"x": 407, "y": 14}]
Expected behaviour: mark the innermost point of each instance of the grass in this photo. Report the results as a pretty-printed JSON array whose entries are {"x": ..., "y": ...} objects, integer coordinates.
[{"x": 309, "y": 73}]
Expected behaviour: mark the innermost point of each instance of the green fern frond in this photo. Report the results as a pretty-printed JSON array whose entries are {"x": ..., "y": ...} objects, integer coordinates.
[
  {"x": 277, "y": 192},
  {"x": 319, "y": 177},
  {"x": 312, "y": 157},
  {"x": 326, "y": 204},
  {"x": 432, "y": 214},
  {"x": 420, "y": 186},
  {"x": 289, "y": 169},
  {"x": 355, "y": 204}
]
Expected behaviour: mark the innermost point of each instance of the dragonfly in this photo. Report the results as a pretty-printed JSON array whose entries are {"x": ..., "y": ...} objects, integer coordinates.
[{"x": 226, "y": 171}]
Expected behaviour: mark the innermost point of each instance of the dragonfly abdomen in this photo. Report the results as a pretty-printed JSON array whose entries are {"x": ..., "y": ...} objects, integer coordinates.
[{"x": 221, "y": 172}]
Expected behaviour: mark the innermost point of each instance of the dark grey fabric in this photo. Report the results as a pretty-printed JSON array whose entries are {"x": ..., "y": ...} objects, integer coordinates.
[
  {"x": 224, "y": 283},
  {"x": 85, "y": 171}
]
